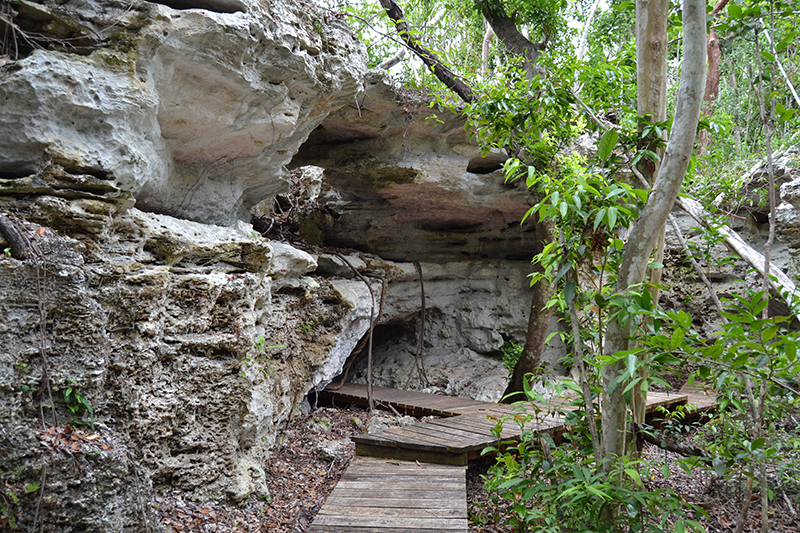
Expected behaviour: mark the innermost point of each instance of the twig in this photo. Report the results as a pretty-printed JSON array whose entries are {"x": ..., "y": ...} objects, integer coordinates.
[
  {"x": 41, "y": 496},
  {"x": 789, "y": 503},
  {"x": 390, "y": 406}
]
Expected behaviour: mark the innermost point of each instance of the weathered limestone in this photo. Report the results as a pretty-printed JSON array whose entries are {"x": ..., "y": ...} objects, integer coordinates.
[
  {"x": 157, "y": 324},
  {"x": 194, "y": 112}
]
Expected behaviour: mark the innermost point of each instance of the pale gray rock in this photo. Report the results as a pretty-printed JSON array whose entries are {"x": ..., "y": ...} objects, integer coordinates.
[
  {"x": 194, "y": 112},
  {"x": 288, "y": 261},
  {"x": 166, "y": 352},
  {"x": 472, "y": 309},
  {"x": 333, "y": 450}
]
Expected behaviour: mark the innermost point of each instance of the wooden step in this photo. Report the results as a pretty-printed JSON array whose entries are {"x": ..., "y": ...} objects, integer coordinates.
[{"x": 382, "y": 496}]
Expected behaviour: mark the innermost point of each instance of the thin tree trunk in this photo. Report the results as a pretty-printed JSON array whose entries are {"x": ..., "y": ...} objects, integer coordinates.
[
  {"x": 538, "y": 325},
  {"x": 578, "y": 351},
  {"x": 737, "y": 130},
  {"x": 644, "y": 235},
  {"x": 765, "y": 119},
  {"x": 487, "y": 40},
  {"x": 585, "y": 33},
  {"x": 651, "y": 80}
]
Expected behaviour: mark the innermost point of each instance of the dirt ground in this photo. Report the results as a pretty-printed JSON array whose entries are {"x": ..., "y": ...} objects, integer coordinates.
[{"x": 314, "y": 452}]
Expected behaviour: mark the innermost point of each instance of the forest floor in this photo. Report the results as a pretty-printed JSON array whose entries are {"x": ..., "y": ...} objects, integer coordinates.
[{"x": 313, "y": 452}]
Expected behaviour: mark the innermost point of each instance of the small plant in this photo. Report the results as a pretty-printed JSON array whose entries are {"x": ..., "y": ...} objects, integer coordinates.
[
  {"x": 77, "y": 403},
  {"x": 261, "y": 347},
  {"x": 8, "y": 501},
  {"x": 512, "y": 351}
]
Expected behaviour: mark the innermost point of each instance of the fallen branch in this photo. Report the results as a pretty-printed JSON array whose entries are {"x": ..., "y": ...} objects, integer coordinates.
[
  {"x": 14, "y": 237},
  {"x": 778, "y": 280},
  {"x": 665, "y": 443}
]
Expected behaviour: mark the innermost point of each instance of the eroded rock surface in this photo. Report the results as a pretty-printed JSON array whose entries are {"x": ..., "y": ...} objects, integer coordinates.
[
  {"x": 189, "y": 343},
  {"x": 195, "y": 112},
  {"x": 388, "y": 166}
]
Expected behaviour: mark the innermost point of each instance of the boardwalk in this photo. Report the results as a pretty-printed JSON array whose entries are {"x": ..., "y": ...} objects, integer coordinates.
[
  {"x": 386, "y": 495},
  {"x": 412, "y": 479}
]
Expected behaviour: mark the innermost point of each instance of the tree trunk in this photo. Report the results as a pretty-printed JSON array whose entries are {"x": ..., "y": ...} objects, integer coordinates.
[
  {"x": 538, "y": 325},
  {"x": 651, "y": 81},
  {"x": 506, "y": 30},
  {"x": 645, "y": 233}
]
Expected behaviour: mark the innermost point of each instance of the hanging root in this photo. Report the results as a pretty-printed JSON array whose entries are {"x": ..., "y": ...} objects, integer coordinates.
[{"x": 419, "y": 359}]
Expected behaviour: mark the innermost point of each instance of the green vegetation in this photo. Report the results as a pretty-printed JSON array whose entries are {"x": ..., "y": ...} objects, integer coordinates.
[{"x": 533, "y": 86}]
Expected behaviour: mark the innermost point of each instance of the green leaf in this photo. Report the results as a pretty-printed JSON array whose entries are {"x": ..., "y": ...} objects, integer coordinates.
[
  {"x": 632, "y": 360},
  {"x": 634, "y": 475},
  {"x": 563, "y": 270},
  {"x": 719, "y": 466},
  {"x": 606, "y": 144},
  {"x": 734, "y": 11},
  {"x": 599, "y": 218},
  {"x": 787, "y": 115},
  {"x": 569, "y": 291},
  {"x": 677, "y": 339},
  {"x": 612, "y": 217},
  {"x": 32, "y": 487}
]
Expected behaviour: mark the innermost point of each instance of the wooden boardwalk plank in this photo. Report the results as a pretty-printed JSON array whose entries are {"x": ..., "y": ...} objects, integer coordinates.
[
  {"x": 410, "y": 401},
  {"x": 389, "y": 497}
]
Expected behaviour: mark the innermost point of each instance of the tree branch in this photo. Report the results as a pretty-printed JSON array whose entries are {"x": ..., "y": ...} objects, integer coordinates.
[{"x": 444, "y": 74}]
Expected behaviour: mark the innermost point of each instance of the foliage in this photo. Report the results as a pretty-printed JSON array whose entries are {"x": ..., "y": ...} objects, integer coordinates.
[
  {"x": 77, "y": 403},
  {"x": 751, "y": 352},
  {"x": 512, "y": 351},
  {"x": 561, "y": 488}
]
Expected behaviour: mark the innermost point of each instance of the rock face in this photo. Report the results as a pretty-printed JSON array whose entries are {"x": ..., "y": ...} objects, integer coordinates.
[
  {"x": 388, "y": 166},
  {"x": 728, "y": 274},
  {"x": 192, "y": 343},
  {"x": 187, "y": 345},
  {"x": 194, "y": 112}
]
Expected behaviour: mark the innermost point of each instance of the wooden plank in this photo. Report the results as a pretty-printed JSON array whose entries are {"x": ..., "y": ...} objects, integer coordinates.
[
  {"x": 318, "y": 528},
  {"x": 461, "y": 433},
  {"x": 390, "y": 437},
  {"x": 409, "y": 454},
  {"x": 408, "y": 503},
  {"x": 400, "y": 478},
  {"x": 458, "y": 439},
  {"x": 379, "y": 496},
  {"x": 660, "y": 399},
  {"x": 374, "y": 466},
  {"x": 426, "y": 512},
  {"x": 429, "y": 438},
  {"x": 392, "y": 523},
  {"x": 395, "y": 485},
  {"x": 478, "y": 424}
]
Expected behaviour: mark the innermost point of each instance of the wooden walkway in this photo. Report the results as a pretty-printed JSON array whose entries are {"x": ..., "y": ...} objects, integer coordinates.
[
  {"x": 382, "y": 495},
  {"x": 419, "y": 485}
]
